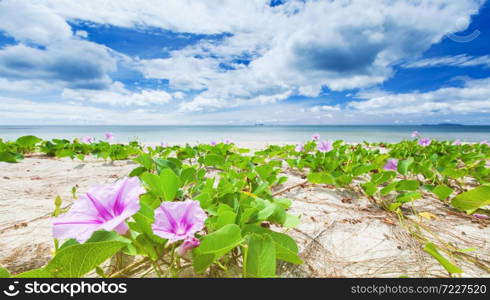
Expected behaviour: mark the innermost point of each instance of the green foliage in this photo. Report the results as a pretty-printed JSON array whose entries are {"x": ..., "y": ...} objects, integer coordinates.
[
  {"x": 442, "y": 191},
  {"x": 470, "y": 201},
  {"x": 432, "y": 250},
  {"x": 214, "y": 245},
  {"x": 260, "y": 256},
  {"x": 77, "y": 260},
  {"x": 238, "y": 189},
  {"x": 4, "y": 273}
]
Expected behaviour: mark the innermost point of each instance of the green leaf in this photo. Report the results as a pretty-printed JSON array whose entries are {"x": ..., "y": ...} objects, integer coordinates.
[
  {"x": 284, "y": 202},
  {"x": 382, "y": 177},
  {"x": 225, "y": 218},
  {"x": 165, "y": 185},
  {"x": 144, "y": 218},
  {"x": 35, "y": 273},
  {"x": 266, "y": 212},
  {"x": 343, "y": 179},
  {"x": 77, "y": 260},
  {"x": 432, "y": 250},
  {"x": 137, "y": 171},
  {"x": 403, "y": 165},
  {"x": 286, "y": 247},
  {"x": 370, "y": 188},
  {"x": 4, "y": 273},
  {"x": 104, "y": 236},
  {"x": 408, "y": 197},
  {"x": 146, "y": 161},
  {"x": 361, "y": 169},
  {"x": 260, "y": 257},
  {"x": 394, "y": 206},
  {"x": 154, "y": 184},
  {"x": 321, "y": 178},
  {"x": 471, "y": 200},
  {"x": 204, "y": 199},
  {"x": 67, "y": 243},
  {"x": 264, "y": 171},
  {"x": 10, "y": 157},
  {"x": 28, "y": 141},
  {"x": 407, "y": 185},
  {"x": 214, "y": 245},
  {"x": 187, "y": 175},
  {"x": 291, "y": 221},
  {"x": 389, "y": 188},
  {"x": 442, "y": 191},
  {"x": 214, "y": 160},
  {"x": 454, "y": 173},
  {"x": 171, "y": 184}
]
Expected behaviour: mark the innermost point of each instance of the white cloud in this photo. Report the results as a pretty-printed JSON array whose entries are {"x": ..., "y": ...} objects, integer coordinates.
[
  {"x": 461, "y": 60},
  {"x": 30, "y": 22},
  {"x": 292, "y": 49},
  {"x": 118, "y": 95},
  {"x": 81, "y": 33},
  {"x": 473, "y": 97},
  {"x": 338, "y": 44},
  {"x": 49, "y": 51},
  {"x": 76, "y": 64},
  {"x": 20, "y": 111},
  {"x": 327, "y": 108},
  {"x": 25, "y": 86}
]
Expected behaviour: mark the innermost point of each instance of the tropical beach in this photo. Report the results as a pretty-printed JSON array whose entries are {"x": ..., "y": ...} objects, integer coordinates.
[
  {"x": 284, "y": 139},
  {"x": 346, "y": 208}
]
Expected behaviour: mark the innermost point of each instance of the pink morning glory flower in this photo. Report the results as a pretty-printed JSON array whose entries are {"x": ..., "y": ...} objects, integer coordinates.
[
  {"x": 109, "y": 136},
  {"x": 104, "y": 207},
  {"x": 87, "y": 140},
  {"x": 177, "y": 221},
  {"x": 391, "y": 165},
  {"x": 188, "y": 244},
  {"x": 299, "y": 148},
  {"x": 227, "y": 141},
  {"x": 213, "y": 143},
  {"x": 485, "y": 143},
  {"x": 325, "y": 146},
  {"x": 457, "y": 142},
  {"x": 415, "y": 134},
  {"x": 315, "y": 137},
  {"x": 424, "y": 142}
]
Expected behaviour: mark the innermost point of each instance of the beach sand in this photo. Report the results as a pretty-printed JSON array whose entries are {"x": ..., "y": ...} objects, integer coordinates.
[{"x": 341, "y": 234}]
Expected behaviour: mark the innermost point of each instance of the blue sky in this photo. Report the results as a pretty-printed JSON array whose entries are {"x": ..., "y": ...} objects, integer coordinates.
[{"x": 242, "y": 62}]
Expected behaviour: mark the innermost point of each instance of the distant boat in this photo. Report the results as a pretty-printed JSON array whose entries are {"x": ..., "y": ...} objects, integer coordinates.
[{"x": 259, "y": 124}]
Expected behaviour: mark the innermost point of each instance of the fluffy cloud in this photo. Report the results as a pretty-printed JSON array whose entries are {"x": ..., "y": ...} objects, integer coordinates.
[
  {"x": 75, "y": 64},
  {"x": 301, "y": 47},
  {"x": 267, "y": 54},
  {"x": 118, "y": 95},
  {"x": 48, "y": 51},
  {"x": 33, "y": 23},
  {"x": 472, "y": 97},
  {"x": 326, "y": 108},
  {"x": 20, "y": 111}
]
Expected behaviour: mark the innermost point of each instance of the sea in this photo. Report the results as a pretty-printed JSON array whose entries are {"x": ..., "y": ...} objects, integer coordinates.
[{"x": 250, "y": 134}]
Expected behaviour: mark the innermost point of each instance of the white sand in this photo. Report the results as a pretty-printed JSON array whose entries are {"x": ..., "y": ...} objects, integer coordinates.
[{"x": 341, "y": 234}]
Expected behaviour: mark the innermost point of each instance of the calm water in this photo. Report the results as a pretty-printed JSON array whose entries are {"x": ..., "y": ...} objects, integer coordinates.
[{"x": 260, "y": 134}]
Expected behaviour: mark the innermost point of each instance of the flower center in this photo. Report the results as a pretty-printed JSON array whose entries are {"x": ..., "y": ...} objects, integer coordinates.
[{"x": 181, "y": 229}]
